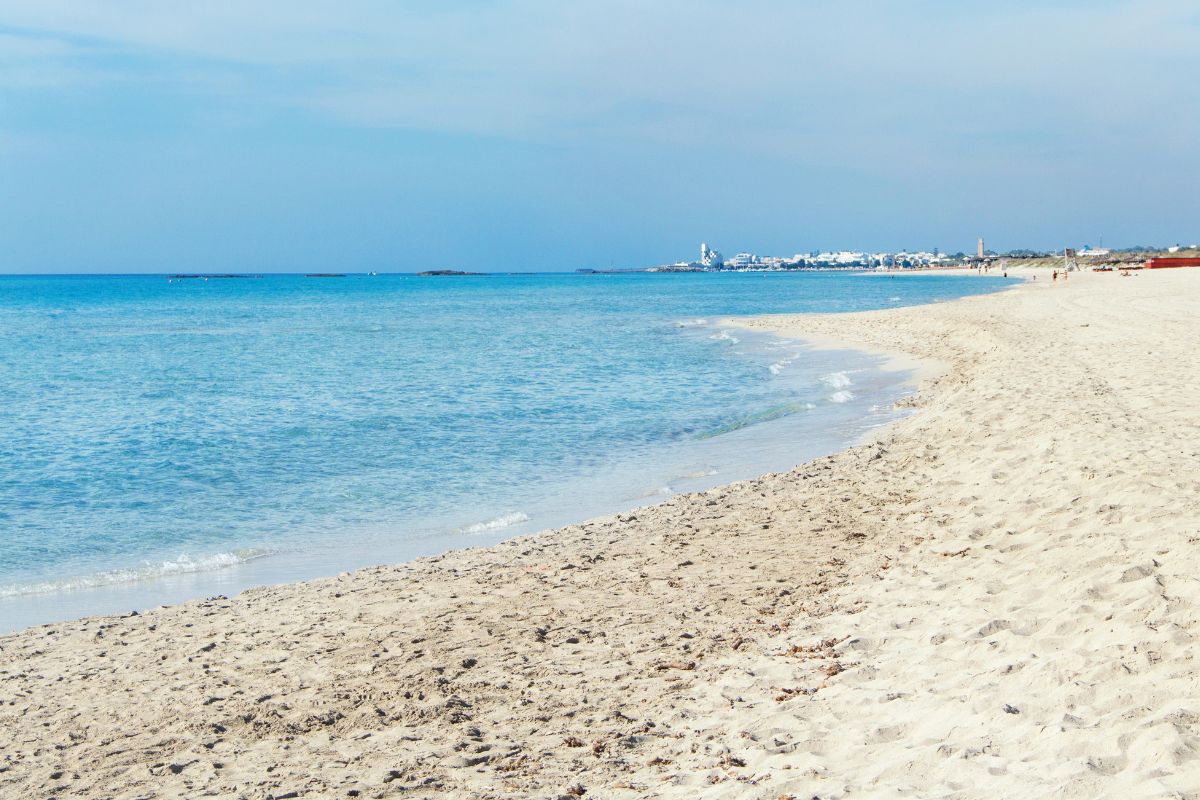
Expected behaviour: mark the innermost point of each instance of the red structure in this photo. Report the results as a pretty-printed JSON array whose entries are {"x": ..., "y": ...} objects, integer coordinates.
[{"x": 1164, "y": 263}]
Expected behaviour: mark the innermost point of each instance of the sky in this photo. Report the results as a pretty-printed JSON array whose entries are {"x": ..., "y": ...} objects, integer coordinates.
[{"x": 153, "y": 136}]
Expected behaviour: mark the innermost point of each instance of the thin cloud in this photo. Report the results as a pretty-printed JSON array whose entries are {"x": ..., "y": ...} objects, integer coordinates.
[{"x": 800, "y": 110}]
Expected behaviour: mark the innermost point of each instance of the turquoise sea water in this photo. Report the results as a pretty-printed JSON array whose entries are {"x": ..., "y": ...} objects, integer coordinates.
[{"x": 166, "y": 439}]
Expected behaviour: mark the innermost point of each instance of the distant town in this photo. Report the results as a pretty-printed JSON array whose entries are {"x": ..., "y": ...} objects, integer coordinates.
[{"x": 713, "y": 261}]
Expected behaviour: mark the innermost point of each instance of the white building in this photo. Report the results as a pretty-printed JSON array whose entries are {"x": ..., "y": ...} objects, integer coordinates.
[{"x": 709, "y": 257}]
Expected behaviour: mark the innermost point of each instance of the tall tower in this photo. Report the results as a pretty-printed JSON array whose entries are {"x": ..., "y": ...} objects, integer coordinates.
[
  {"x": 704, "y": 253},
  {"x": 979, "y": 252}
]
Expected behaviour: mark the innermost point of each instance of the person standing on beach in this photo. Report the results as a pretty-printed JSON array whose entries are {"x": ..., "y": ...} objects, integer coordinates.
[{"x": 1054, "y": 276}]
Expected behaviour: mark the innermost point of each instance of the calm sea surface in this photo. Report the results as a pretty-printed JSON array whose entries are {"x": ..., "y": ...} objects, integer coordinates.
[{"x": 167, "y": 439}]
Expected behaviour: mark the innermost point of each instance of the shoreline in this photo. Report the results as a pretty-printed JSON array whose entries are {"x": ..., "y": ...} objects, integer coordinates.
[
  {"x": 992, "y": 598},
  {"x": 922, "y": 369},
  {"x": 256, "y": 565}
]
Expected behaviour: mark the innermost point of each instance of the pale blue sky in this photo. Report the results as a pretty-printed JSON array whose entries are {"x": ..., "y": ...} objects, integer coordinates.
[{"x": 149, "y": 136}]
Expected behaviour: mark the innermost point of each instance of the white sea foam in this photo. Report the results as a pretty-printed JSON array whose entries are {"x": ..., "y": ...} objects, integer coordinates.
[
  {"x": 690, "y": 323},
  {"x": 726, "y": 337},
  {"x": 150, "y": 570},
  {"x": 502, "y": 521},
  {"x": 782, "y": 363},
  {"x": 841, "y": 397},
  {"x": 836, "y": 380},
  {"x": 700, "y": 473},
  {"x": 893, "y": 299},
  {"x": 660, "y": 491}
]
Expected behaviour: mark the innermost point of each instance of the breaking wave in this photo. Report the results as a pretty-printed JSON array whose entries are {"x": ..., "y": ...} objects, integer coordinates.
[
  {"x": 183, "y": 565},
  {"x": 502, "y": 521},
  {"x": 836, "y": 380}
]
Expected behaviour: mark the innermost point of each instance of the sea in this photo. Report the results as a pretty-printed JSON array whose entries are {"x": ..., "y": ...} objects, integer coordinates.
[{"x": 169, "y": 438}]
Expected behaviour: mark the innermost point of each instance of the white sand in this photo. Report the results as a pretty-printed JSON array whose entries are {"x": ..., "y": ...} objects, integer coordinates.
[{"x": 997, "y": 598}]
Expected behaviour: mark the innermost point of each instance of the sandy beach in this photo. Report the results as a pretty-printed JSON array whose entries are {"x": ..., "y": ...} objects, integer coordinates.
[{"x": 995, "y": 597}]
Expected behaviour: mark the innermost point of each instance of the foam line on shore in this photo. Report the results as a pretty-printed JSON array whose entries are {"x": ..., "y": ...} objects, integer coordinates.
[{"x": 184, "y": 564}]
